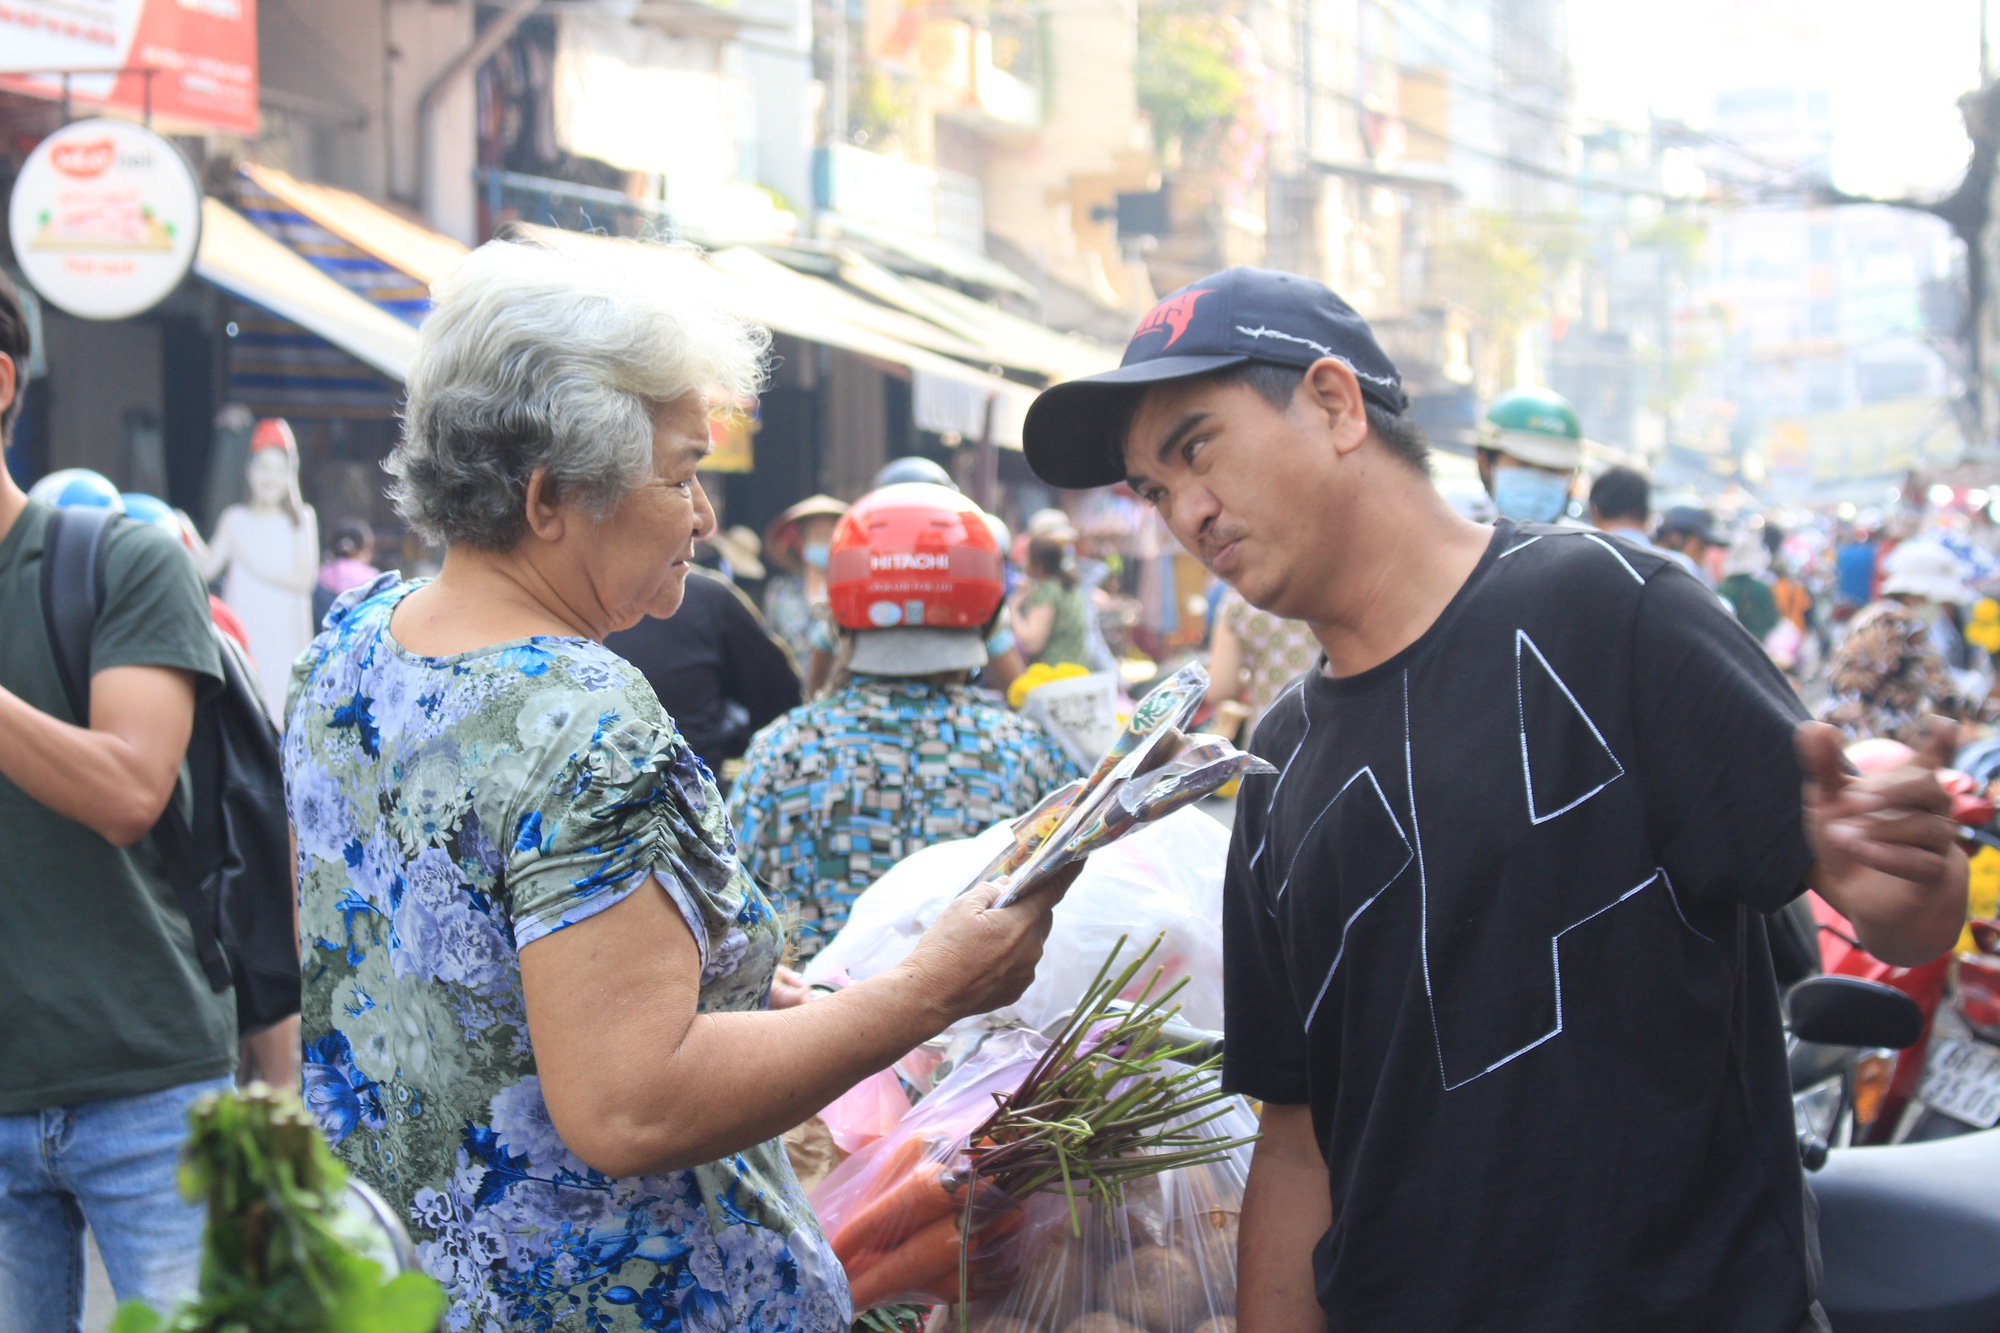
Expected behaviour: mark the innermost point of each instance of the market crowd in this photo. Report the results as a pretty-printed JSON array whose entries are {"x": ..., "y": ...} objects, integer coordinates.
[{"x": 570, "y": 811}]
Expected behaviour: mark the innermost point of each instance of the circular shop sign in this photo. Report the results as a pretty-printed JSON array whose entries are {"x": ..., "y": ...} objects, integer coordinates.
[{"x": 105, "y": 218}]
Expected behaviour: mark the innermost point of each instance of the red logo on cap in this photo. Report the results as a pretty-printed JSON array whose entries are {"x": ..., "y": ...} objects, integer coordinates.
[{"x": 1172, "y": 313}]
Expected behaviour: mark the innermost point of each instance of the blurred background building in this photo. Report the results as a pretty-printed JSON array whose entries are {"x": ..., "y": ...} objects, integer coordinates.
[{"x": 940, "y": 208}]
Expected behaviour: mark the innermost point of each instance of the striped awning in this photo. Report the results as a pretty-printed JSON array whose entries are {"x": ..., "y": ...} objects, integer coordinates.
[
  {"x": 279, "y": 369},
  {"x": 300, "y": 344},
  {"x": 357, "y": 269}
]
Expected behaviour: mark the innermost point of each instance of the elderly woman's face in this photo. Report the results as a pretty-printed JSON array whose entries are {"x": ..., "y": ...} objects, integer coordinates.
[{"x": 637, "y": 557}]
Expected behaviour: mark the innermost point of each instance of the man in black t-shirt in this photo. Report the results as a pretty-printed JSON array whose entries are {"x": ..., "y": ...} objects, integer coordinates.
[
  {"x": 719, "y": 671},
  {"x": 1493, "y": 932}
]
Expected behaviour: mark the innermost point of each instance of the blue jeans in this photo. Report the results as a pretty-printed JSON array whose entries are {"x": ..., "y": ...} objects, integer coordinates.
[{"x": 110, "y": 1165}]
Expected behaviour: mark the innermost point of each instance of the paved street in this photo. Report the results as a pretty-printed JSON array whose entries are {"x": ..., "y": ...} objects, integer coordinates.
[{"x": 97, "y": 1300}]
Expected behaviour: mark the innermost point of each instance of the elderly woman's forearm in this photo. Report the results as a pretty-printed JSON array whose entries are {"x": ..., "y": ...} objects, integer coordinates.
[{"x": 704, "y": 1100}]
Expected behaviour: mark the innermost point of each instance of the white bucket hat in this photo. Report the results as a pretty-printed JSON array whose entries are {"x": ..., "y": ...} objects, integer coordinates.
[{"x": 1927, "y": 569}]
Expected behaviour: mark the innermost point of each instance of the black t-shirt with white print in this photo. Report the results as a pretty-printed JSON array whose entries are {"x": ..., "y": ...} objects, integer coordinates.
[{"x": 1498, "y": 920}]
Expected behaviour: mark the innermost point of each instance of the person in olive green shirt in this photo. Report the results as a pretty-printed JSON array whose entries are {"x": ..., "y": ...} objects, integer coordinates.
[
  {"x": 1052, "y": 614},
  {"x": 108, "y": 1028}
]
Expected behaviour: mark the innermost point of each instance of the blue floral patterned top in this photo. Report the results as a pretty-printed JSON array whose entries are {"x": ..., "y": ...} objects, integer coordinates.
[{"x": 450, "y": 811}]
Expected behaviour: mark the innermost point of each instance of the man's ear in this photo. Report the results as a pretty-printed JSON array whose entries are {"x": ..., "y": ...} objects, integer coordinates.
[{"x": 1331, "y": 392}]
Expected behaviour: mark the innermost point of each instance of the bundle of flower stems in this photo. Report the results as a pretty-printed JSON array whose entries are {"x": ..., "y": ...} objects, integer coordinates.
[{"x": 1108, "y": 1103}]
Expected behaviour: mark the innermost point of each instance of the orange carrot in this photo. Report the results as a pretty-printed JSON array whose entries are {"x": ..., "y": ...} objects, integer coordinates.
[
  {"x": 926, "y": 1264},
  {"x": 896, "y": 1164},
  {"x": 898, "y": 1212}
]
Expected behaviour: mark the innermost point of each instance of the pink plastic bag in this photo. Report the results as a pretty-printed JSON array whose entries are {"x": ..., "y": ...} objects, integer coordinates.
[
  {"x": 866, "y": 1111},
  {"x": 897, "y": 1211}
]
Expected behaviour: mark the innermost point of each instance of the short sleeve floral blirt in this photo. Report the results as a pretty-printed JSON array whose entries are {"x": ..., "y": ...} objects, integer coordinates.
[{"x": 449, "y": 812}]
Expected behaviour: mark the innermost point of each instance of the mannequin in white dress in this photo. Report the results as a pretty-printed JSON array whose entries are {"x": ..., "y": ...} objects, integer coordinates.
[{"x": 268, "y": 553}]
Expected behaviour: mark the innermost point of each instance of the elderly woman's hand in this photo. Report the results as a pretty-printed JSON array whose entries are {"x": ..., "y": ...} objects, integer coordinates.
[
  {"x": 976, "y": 957},
  {"x": 638, "y": 1081}
]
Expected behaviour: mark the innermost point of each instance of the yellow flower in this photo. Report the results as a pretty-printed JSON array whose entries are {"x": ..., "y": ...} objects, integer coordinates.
[
  {"x": 1038, "y": 675},
  {"x": 1984, "y": 630},
  {"x": 1982, "y": 892}
]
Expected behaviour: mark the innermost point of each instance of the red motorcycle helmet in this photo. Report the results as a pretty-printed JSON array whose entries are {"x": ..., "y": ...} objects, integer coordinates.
[{"x": 917, "y": 559}]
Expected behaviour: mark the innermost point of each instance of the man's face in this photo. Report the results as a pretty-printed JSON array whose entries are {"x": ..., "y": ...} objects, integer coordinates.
[
  {"x": 1257, "y": 494},
  {"x": 1689, "y": 545},
  {"x": 1524, "y": 491}
]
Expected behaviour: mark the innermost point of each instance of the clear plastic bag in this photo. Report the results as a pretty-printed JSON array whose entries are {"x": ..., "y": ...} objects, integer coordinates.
[
  {"x": 1163, "y": 1260},
  {"x": 1163, "y": 878}
]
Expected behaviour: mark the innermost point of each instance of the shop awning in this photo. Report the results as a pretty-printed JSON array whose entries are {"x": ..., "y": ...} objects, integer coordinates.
[
  {"x": 380, "y": 256},
  {"x": 397, "y": 241},
  {"x": 1008, "y": 338},
  {"x": 929, "y": 252},
  {"x": 788, "y": 284},
  {"x": 243, "y": 261},
  {"x": 765, "y": 292}
]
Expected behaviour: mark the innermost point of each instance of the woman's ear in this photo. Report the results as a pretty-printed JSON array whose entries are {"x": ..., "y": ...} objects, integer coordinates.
[{"x": 544, "y": 514}]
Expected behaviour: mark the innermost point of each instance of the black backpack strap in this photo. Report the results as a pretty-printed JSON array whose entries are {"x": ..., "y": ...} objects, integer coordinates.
[
  {"x": 73, "y": 565},
  {"x": 74, "y": 561}
]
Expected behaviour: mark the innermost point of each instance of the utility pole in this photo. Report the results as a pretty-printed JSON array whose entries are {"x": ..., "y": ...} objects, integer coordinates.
[{"x": 837, "y": 102}]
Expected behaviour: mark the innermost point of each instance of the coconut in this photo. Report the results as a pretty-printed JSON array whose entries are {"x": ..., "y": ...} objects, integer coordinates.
[
  {"x": 1056, "y": 1287},
  {"x": 1205, "y": 1217},
  {"x": 1158, "y": 1287}
]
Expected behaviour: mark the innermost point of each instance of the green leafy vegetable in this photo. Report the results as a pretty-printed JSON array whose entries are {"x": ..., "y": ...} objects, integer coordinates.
[{"x": 276, "y": 1254}]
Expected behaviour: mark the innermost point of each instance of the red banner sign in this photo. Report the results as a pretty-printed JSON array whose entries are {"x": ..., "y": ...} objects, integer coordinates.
[{"x": 203, "y": 54}]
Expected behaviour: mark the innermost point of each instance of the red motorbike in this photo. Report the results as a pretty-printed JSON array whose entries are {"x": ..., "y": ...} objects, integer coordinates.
[{"x": 1948, "y": 1082}]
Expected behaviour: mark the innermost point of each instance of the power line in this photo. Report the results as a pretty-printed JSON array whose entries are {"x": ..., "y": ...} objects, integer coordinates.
[{"x": 1315, "y": 31}]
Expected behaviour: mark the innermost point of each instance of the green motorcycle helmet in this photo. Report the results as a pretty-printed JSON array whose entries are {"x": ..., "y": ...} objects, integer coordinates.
[{"x": 1536, "y": 426}]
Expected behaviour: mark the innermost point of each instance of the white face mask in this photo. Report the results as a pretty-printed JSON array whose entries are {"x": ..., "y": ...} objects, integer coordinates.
[{"x": 1530, "y": 494}]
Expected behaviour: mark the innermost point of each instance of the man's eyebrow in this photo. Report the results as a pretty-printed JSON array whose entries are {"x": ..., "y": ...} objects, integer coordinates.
[
  {"x": 1170, "y": 442},
  {"x": 1183, "y": 428}
]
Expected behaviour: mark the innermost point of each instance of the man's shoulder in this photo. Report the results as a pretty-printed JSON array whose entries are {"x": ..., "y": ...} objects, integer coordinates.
[
  {"x": 977, "y": 710},
  {"x": 144, "y": 551},
  {"x": 1571, "y": 557},
  {"x": 974, "y": 707},
  {"x": 722, "y": 596}
]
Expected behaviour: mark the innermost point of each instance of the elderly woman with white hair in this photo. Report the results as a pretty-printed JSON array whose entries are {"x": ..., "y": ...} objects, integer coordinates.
[{"x": 539, "y": 1004}]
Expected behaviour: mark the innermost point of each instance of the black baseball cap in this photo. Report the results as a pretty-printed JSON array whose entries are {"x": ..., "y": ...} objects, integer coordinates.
[
  {"x": 1227, "y": 319},
  {"x": 1691, "y": 521}
]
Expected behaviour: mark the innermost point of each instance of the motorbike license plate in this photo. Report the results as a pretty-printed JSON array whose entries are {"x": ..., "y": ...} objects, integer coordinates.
[{"x": 1962, "y": 1079}]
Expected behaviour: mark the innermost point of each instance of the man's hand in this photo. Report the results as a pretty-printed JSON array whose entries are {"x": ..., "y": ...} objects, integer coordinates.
[{"x": 1885, "y": 850}]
